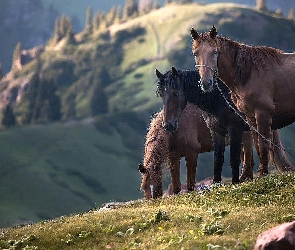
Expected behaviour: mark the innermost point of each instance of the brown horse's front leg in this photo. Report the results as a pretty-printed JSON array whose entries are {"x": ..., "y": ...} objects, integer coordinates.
[
  {"x": 191, "y": 169},
  {"x": 174, "y": 168},
  {"x": 263, "y": 121}
]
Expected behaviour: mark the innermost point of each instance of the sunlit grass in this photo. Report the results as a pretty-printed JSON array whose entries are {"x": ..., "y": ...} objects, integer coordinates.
[{"x": 227, "y": 216}]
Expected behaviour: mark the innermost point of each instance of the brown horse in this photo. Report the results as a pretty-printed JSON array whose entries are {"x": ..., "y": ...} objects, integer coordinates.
[
  {"x": 261, "y": 81},
  {"x": 192, "y": 137}
]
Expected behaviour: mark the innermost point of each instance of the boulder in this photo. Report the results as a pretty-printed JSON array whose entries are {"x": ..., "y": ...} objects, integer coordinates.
[{"x": 281, "y": 237}]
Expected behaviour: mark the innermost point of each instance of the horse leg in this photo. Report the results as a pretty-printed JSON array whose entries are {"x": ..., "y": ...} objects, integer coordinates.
[
  {"x": 219, "y": 147},
  {"x": 263, "y": 121},
  {"x": 235, "y": 152},
  {"x": 247, "y": 157},
  {"x": 191, "y": 169},
  {"x": 174, "y": 168}
]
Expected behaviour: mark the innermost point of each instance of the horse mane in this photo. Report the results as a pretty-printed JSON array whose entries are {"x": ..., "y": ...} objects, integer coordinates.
[
  {"x": 209, "y": 102},
  {"x": 187, "y": 76},
  {"x": 248, "y": 57},
  {"x": 156, "y": 144}
]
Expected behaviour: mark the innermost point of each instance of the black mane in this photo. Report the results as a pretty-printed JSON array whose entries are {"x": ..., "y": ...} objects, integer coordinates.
[{"x": 187, "y": 80}]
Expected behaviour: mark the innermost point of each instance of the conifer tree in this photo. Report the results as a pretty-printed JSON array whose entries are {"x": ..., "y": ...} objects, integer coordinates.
[
  {"x": 97, "y": 20},
  {"x": 1, "y": 71},
  {"x": 63, "y": 27},
  {"x": 261, "y": 5},
  {"x": 16, "y": 58},
  {"x": 279, "y": 12},
  {"x": 8, "y": 119},
  {"x": 291, "y": 14},
  {"x": 69, "y": 111},
  {"x": 110, "y": 17},
  {"x": 130, "y": 8},
  {"x": 69, "y": 35},
  {"x": 56, "y": 34},
  {"x": 89, "y": 25},
  {"x": 118, "y": 14},
  {"x": 99, "y": 101},
  {"x": 144, "y": 6}
]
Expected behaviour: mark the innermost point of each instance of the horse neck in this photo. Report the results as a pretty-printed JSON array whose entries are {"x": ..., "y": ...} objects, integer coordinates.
[
  {"x": 155, "y": 150},
  {"x": 226, "y": 63},
  {"x": 210, "y": 102},
  {"x": 191, "y": 89}
]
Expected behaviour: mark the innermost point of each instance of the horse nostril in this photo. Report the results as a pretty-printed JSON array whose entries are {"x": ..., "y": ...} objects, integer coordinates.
[
  {"x": 169, "y": 126},
  {"x": 207, "y": 85},
  {"x": 165, "y": 125},
  {"x": 210, "y": 84}
]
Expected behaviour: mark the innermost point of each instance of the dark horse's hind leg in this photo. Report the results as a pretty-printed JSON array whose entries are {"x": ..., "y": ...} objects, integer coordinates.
[
  {"x": 174, "y": 168},
  {"x": 219, "y": 147},
  {"x": 235, "y": 152}
]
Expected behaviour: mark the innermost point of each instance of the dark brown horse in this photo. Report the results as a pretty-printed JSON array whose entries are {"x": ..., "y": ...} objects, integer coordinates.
[
  {"x": 261, "y": 81},
  {"x": 192, "y": 137},
  {"x": 178, "y": 88}
]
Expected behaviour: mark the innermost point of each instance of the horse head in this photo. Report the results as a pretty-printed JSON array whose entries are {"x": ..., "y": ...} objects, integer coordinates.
[
  {"x": 169, "y": 89},
  {"x": 205, "y": 51},
  {"x": 151, "y": 183}
]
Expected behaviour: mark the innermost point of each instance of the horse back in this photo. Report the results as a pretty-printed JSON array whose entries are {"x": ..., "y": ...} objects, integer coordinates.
[{"x": 193, "y": 129}]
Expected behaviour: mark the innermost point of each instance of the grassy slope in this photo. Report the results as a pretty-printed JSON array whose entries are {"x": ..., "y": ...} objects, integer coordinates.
[
  {"x": 61, "y": 168},
  {"x": 229, "y": 217}
]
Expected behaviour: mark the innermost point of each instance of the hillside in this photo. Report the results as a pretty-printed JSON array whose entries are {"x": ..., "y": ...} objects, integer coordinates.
[
  {"x": 37, "y": 19},
  {"x": 58, "y": 150},
  {"x": 56, "y": 169},
  {"x": 226, "y": 217},
  {"x": 74, "y": 7}
]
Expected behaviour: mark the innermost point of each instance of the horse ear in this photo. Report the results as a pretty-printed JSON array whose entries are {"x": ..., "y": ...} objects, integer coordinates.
[
  {"x": 174, "y": 71},
  {"x": 141, "y": 168},
  {"x": 194, "y": 34},
  {"x": 159, "y": 74},
  {"x": 213, "y": 32}
]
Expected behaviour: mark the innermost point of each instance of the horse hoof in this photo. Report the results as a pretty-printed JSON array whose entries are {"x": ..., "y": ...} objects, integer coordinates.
[
  {"x": 262, "y": 174},
  {"x": 246, "y": 176}
]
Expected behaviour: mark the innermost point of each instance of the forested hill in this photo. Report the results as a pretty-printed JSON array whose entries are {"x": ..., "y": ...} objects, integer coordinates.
[
  {"x": 77, "y": 75},
  {"x": 32, "y": 22},
  {"x": 77, "y": 107}
]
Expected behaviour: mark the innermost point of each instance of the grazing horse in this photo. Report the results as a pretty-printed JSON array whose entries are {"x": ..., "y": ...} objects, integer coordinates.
[
  {"x": 178, "y": 88},
  {"x": 161, "y": 146},
  {"x": 260, "y": 79}
]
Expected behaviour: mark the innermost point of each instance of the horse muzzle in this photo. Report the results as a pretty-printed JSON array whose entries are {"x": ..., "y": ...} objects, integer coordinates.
[
  {"x": 206, "y": 85},
  {"x": 169, "y": 126}
]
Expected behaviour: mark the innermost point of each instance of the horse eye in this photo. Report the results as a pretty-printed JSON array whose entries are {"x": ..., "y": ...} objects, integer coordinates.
[
  {"x": 176, "y": 94},
  {"x": 215, "y": 52}
]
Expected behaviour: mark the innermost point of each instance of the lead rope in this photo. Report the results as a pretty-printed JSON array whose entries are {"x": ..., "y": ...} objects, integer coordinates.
[
  {"x": 250, "y": 126},
  {"x": 238, "y": 112}
]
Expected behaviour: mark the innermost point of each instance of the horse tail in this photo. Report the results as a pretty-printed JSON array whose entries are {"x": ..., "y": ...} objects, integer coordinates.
[{"x": 279, "y": 156}]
